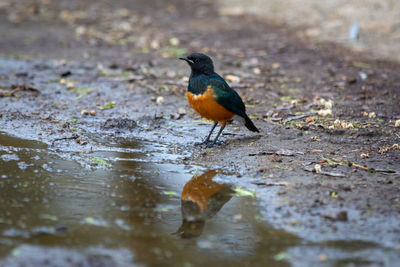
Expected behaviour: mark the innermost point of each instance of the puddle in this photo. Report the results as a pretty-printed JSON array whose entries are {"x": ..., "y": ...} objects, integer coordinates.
[
  {"x": 137, "y": 204},
  {"x": 131, "y": 207}
]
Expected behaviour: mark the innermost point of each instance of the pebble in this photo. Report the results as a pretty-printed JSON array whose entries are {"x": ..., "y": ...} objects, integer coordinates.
[
  {"x": 325, "y": 112},
  {"x": 159, "y": 100},
  {"x": 181, "y": 111},
  {"x": 232, "y": 78},
  {"x": 174, "y": 41},
  {"x": 70, "y": 85},
  {"x": 323, "y": 257},
  {"x": 257, "y": 71},
  {"x": 317, "y": 168},
  {"x": 354, "y": 31},
  {"x": 363, "y": 75}
]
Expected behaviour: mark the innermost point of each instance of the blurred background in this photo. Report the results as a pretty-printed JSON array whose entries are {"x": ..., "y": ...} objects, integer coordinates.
[
  {"x": 364, "y": 25},
  {"x": 372, "y": 25}
]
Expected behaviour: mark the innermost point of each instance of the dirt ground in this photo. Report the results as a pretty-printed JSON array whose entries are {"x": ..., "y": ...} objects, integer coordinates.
[
  {"x": 326, "y": 164},
  {"x": 371, "y": 26}
]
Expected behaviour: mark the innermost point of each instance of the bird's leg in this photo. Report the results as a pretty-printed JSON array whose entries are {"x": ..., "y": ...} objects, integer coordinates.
[
  {"x": 208, "y": 137},
  {"x": 219, "y": 133}
]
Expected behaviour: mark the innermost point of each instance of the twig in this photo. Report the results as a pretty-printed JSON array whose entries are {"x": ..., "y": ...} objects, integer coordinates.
[
  {"x": 64, "y": 138},
  {"x": 293, "y": 118},
  {"x": 333, "y": 174},
  {"x": 270, "y": 184},
  {"x": 280, "y": 152},
  {"x": 365, "y": 168},
  {"x": 24, "y": 87},
  {"x": 18, "y": 87},
  {"x": 385, "y": 171}
]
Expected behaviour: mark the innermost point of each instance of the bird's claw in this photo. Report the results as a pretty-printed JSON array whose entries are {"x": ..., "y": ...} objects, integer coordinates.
[
  {"x": 205, "y": 142},
  {"x": 209, "y": 144},
  {"x": 215, "y": 143}
]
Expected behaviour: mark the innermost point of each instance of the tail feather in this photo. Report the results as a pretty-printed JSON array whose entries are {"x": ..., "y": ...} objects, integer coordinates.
[{"x": 250, "y": 125}]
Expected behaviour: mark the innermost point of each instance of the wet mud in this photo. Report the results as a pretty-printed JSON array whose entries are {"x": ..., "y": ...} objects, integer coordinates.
[{"x": 98, "y": 165}]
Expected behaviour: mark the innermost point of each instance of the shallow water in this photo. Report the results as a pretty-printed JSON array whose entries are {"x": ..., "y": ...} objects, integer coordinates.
[
  {"x": 126, "y": 212},
  {"x": 138, "y": 205}
]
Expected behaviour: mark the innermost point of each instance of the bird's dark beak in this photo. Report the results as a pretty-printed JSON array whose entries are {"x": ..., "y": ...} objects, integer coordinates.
[{"x": 187, "y": 60}]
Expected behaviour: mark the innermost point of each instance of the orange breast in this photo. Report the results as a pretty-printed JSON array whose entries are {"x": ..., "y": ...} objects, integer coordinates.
[
  {"x": 201, "y": 188},
  {"x": 208, "y": 108}
]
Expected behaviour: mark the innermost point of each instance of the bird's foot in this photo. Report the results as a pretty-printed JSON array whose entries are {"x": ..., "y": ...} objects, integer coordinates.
[
  {"x": 215, "y": 143},
  {"x": 204, "y": 143},
  {"x": 208, "y": 143}
]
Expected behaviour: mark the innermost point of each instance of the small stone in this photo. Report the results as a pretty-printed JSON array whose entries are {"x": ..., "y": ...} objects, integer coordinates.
[
  {"x": 63, "y": 81},
  {"x": 276, "y": 65},
  {"x": 182, "y": 111},
  {"x": 257, "y": 71},
  {"x": 363, "y": 75},
  {"x": 70, "y": 85},
  {"x": 171, "y": 74},
  {"x": 155, "y": 44},
  {"x": 317, "y": 168},
  {"x": 397, "y": 123},
  {"x": 237, "y": 217},
  {"x": 160, "y": 100},
  {"x": 80, "y": 30},
  {"x": 323, "y": 257},
  {"x": 232, "y": 78},
  {"x": 328, "y": 104},
  {"x": 93, "y": 112},
  {"x": 325, "y": 112},
  {"x": 174, "y": 41},
  {"x": 175, "y": 116}
]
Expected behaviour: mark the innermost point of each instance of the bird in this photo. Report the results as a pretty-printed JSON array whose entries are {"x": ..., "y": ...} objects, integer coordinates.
[
  {"x": 201, "y": 199},
  {"x": 211, "y": 96}
]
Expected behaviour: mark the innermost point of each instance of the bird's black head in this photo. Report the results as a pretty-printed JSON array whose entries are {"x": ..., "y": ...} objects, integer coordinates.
[{"x": 199, "y": 63}]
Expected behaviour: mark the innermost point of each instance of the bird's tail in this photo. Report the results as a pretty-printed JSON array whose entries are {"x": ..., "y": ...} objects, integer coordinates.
[{"x": 250, "y": 125}]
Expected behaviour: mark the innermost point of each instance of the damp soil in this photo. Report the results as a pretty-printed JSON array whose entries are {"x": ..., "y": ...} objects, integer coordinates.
[{"x": 98, "y": 161}]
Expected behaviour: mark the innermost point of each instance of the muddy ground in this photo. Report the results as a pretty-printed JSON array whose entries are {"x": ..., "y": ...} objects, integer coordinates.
[
  {"x": 371, "y": 26},
  {"x": 73, "y": 69}
]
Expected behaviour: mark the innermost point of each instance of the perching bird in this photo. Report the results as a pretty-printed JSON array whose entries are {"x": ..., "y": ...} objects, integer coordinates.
[{"x": 210, "y": 96}]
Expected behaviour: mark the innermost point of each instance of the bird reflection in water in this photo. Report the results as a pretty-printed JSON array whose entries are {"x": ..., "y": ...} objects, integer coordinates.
[{"x": 201, "y": 199}]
